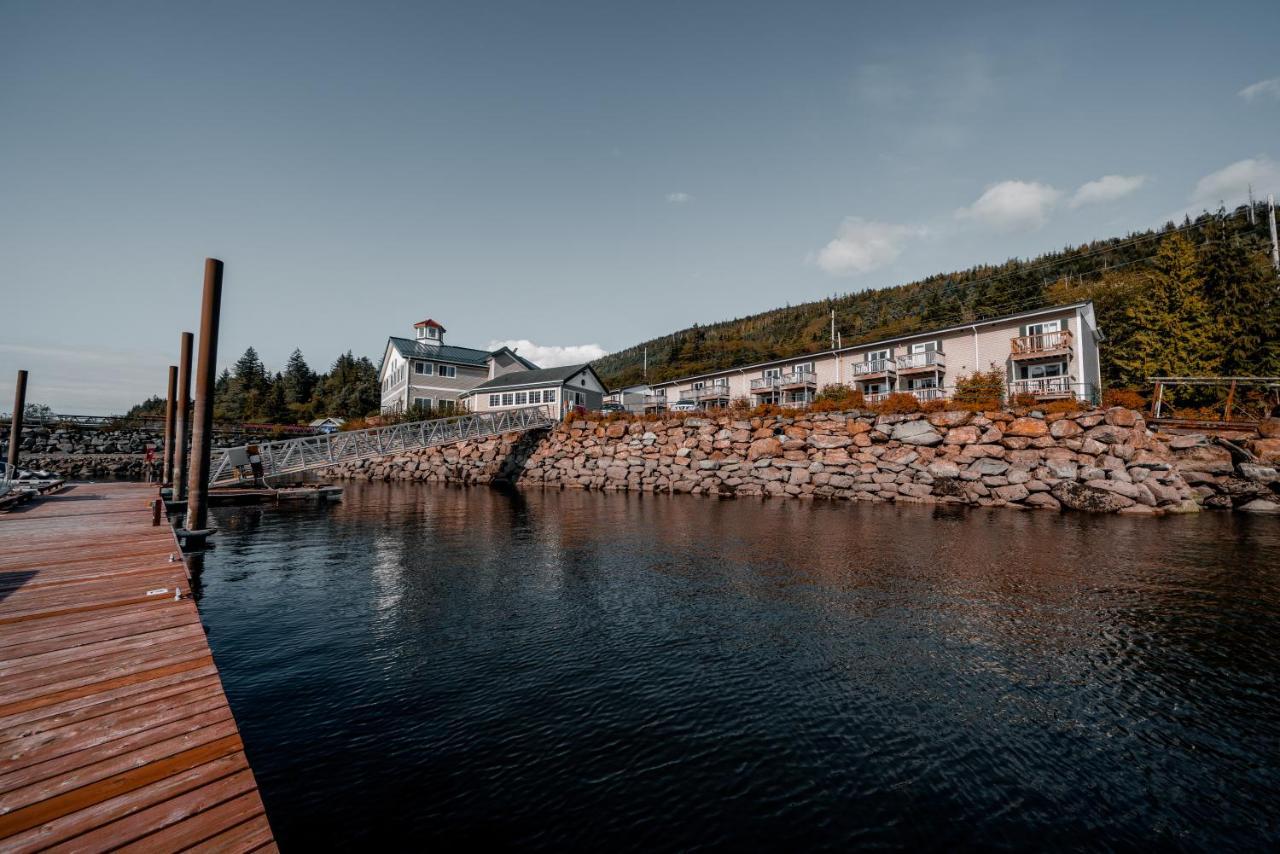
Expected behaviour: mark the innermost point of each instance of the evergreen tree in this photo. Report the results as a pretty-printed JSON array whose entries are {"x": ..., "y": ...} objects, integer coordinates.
[
  {"x": 1165, "y": 328},
  {"x": 299, "y": 380}
]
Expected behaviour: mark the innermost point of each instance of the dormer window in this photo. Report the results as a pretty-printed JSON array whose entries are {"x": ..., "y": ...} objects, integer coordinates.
[{"x": 428, "y": 333}]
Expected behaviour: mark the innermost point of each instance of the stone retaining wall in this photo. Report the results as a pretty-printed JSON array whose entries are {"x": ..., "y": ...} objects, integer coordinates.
[{"x": 1099, "y": 461}]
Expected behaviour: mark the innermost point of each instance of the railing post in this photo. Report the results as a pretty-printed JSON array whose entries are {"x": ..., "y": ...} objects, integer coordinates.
[
  {"x": 206, "y": 378},
  {"x": 15, "y": 423}
]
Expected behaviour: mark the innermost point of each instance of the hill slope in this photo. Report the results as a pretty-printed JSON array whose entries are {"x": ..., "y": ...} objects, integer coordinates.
[{"x": 1117, "y": 273}]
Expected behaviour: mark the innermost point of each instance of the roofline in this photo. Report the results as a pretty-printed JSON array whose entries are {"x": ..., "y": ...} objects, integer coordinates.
[
  {"x": 480, "y": 389},
  {"x": 842, "y": 350}
]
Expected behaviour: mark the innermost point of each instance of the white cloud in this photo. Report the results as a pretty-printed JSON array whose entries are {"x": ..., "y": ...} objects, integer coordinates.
[
  {"x": 553, "y": 355},
  {"x": 1230, "y": 184},
  {"x": 679, "y": 198},
  {"x": 861, "y": 246},
  {"x": 1262, "y": 89},
  {"x": 1108, "y": 188},
  {"x": 1012, "y": 205}
]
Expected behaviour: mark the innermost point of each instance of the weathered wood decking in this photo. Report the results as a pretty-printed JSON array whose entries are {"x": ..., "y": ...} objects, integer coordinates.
[{"x": 114, "y": 729}]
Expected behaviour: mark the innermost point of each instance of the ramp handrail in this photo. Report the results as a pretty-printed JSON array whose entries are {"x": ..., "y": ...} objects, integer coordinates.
[{"x": 296, "y": 455}]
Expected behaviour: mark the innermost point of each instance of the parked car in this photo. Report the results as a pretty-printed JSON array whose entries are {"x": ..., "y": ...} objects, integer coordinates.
[
  {"x": 612, "y": 407},
  {"x": 683, "y": 406}
]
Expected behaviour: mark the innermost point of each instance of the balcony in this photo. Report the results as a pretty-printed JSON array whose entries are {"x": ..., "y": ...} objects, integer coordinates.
[
  {"x": 876, "y": 397},
  {"x": 1041, "y": 345},
  {"x": 921, "y": 362},
  {"x": 1048, "y": 388},
  {"x": 708, "y": 392},
  {"x": 795, "y": 379},
  {"x": 658, "y": 401},
  {"x": 874, "y": 369},
  {"x": 923, "y": 394}
]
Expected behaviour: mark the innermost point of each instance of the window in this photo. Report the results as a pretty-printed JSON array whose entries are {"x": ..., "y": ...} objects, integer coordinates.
[
  {"x": 876, "y": 388},
  {"x": 925, "y": 347},
  {"x": 508, "y": 398},
  {"x": 1044, "y": 326},
  {"x": 423, "y": 368},
  {"x": 521, "y": 398},
  {"x": 772, "y": 372},
  {"x": 698, "y": 384},
  {"x": 549, "y": 396},
  {"x": 447, "y": 406},
  {"x": 582, "y": 381},
  {"x": 804, "y": 368},
  {"x": 447, "y": 370},
  {"x": 495, "y": 399},
  {"x": 921, "y": 382},
  {"x": 1035, "y": 372},
  {"x": 423, "y": 403},
  {"x": 535, "y": 397},
  {"x": 877, "y": 355}
]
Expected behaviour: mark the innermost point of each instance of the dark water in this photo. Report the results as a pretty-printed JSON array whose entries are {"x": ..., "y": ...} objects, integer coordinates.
[{"x": 446, "y": 668}]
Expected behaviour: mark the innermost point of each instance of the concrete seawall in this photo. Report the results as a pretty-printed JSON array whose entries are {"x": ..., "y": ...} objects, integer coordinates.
[{"x": 1096, "y": 461}]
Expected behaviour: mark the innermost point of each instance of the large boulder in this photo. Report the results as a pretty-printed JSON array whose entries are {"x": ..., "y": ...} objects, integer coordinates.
[
  {"x": 768, "y": 447},
  {"x": 824, "y": 440},
  {"x": 1065, "y": 428},
  {"x": 950, "y": 419},
  {"x": 1261, "y": 505},
  {"x": 1118, "y": 416},
  {"x": 1109, "y": 434},
  {"x": 916, "y": 433},
  {"x": 1269, "y": 428},
  {"x": 1032, "y": 428},
  {"x": 965, "y": 435},
  {"x": 1266, "y": 450},
  {"x": 1205, "y": 458},
  {"x": 1090, "y": 499}
]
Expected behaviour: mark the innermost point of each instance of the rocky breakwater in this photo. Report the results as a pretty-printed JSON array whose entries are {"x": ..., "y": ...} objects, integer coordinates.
[
  {"x": 1242, "y": 473},
  {"x": 1095, "y": 461}
]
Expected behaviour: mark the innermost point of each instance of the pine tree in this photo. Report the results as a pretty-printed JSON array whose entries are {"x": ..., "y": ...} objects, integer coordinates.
[{"x": 299, "y": 380}]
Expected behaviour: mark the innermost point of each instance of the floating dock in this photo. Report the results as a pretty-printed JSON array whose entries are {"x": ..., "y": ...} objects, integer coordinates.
[{"x": 114, "y": 728}]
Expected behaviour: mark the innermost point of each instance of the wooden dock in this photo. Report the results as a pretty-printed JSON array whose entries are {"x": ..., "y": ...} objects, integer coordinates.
[{"x": 114, "y": 728}]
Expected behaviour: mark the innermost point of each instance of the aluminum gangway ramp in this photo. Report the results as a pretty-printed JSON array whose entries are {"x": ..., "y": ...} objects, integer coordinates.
[{"x": 231, "y": 466}]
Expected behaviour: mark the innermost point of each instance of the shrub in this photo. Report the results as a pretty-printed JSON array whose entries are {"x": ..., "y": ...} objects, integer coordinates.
[
  {"x": 835, "y": 397},
  {"x": 1024, "y": 400},
  {"x": 1126, "y": 397},
  {"x": 898, "y": 403},
  {"x": 985, "y": 388},
  {"x": 1068, "y": 405}
]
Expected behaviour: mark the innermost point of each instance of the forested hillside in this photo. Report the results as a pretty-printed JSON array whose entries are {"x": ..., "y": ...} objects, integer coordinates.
[{"x": 1196, "y": 298}]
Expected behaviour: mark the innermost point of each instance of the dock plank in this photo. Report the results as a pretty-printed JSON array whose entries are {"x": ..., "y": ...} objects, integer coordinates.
[{"x": 114, "y": 727}]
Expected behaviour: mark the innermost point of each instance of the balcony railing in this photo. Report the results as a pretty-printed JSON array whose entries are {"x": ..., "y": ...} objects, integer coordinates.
[
  {"x": 875, "y": 366},
  {"x": 1049, "y": 387},
  {"x": 876, "y": 397},
  {"x": 709, "y": 392},
  {"x": 794, "y": 378},
  {"x": 923, "y": 394},
  {"x": 655, "y": 400},
  {"x": 1044, "y": 343},
  {"x": 930, "y": 361}
]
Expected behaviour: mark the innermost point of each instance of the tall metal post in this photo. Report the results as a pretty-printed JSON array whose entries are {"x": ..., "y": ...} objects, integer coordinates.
[
  {"x": 202, "y": 416},
  {"x": 15, "y": 425},
  {"x": 182, "y": 419},
  {"x": 170, "y": 412}
]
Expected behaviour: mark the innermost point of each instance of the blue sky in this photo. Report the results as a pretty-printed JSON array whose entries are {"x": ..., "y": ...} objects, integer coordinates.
[{"x": 574, "y": 174}]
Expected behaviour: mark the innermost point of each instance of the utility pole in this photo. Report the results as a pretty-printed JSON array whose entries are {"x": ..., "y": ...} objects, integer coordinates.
[
  {"x": 1251, "y": 219},
  {"x": 833, "y": 329},
  {"x": 646, "y": 364},
  {"x": 1275, "y": 247}
]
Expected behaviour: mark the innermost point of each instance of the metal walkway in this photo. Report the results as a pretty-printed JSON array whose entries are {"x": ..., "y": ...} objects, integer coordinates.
[{"x": 231, "y": 466}]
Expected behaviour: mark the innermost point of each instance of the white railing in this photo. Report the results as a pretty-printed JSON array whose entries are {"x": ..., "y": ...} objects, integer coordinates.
[
  {"x": 876, "y": 397},
  {"x": 7, "y": 476},
  {"x": 709, "y": 392},
  {"x": 1048, "y": 387},
  {"x": 779, "y": 380},
  {"x": 917, "y": 361},
  {"x": 229, "y": 465},
  {"x": 875, "y": 366},
  {"x": 923, "y": 394}
]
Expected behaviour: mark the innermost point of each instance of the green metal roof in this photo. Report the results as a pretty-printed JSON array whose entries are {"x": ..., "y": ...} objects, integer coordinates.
[{"x": 411, "y": 349}]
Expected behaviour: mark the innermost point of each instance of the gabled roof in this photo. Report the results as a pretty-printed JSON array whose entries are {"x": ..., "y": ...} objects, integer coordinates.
[
  {"x": 513, "y": 354},
  {"x": 411, "y": 349},
  {"x": 429, "y": 322},
  {"x": 540, "y": 376}
]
